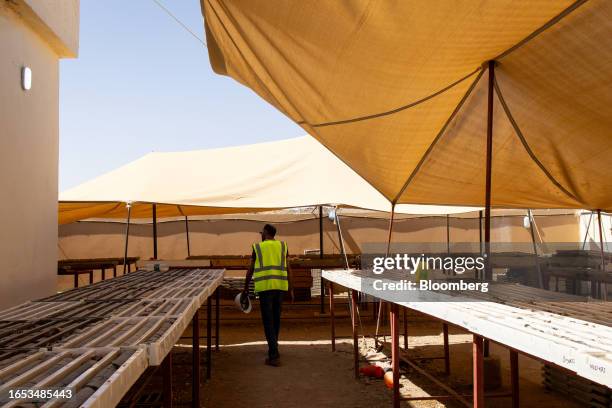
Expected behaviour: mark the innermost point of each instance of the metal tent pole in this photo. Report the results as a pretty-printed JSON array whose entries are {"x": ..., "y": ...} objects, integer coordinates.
[
  {"x": 586, "y": 234},
  {"x": 489, "y": 163},
  {"x": 127, "y": 235},
  {"x": 448, "y": 233},
  {"x": 342, "y": 249},
  {"x": 488, "y": 273},
  {"x": 541, "y": 283},
  {"x": 603, "y": 259},
  {"x": 321, "y": 257},
  {"x": 187, "y": 236},
  {"x": 379, "y": 316},
  {"x": 480, "y": 240},
  {"x": 154, "y": 207},
  {"x": 390, "y": 234},
  {"x": 321, "y": 231}
]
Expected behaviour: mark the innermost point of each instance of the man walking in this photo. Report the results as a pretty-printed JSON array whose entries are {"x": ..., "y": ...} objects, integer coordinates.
[{"x": 269, "y": 271}]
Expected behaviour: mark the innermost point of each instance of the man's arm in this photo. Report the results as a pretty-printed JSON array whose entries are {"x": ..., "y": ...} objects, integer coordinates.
[{"x": 249, "y": 274}]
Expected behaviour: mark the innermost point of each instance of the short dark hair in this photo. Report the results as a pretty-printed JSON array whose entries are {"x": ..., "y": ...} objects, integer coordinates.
[{"x": 270, "y": 230}]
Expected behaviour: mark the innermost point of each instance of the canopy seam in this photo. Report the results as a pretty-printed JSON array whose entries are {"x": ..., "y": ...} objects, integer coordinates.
[
  {"x": 530, "y": 152},
  {"x": 393, "y": 111},
  {"x": 543, "y": 28},
  {"x": 438, "y": 137}
]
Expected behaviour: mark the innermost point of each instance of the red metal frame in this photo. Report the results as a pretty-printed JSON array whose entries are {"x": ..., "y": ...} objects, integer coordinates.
[
  {"x": 167, "y": 380},
  {"x": 195, "y": 391},
  {"x": 478, "y": 371},
  {"x": 354, "y": 327},
  {"x": 332, "y": 316},
  {"x": 446, "y": 349},
  {"x": 514, "y": 378},
  {"x": 478, "y": 345},
  {"x": 395, "y": 354}
]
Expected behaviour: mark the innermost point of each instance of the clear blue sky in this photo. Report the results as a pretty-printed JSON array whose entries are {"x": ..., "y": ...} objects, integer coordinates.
[{"x": 141, "y": 83}]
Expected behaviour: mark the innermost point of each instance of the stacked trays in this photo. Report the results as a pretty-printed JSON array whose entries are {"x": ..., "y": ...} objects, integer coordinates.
[{"x": 97, "y": 340}]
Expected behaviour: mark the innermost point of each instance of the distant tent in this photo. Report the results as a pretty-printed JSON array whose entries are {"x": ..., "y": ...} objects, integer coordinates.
[
  {"x": 291, "y": 173},
  {"x": 400, "y": 91}
]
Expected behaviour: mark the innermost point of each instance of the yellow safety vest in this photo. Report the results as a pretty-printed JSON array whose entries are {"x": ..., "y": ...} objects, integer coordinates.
[{"x": 270, "y": 271}]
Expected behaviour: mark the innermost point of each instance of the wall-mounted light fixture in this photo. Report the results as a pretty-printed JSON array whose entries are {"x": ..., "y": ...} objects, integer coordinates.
[{"x": 26, "y": 78}]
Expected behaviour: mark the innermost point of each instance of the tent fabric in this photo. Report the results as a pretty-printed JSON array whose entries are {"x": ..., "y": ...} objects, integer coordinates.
[
  {"x": 398, "y": 91},
  {"x": 290, "y": 173}
]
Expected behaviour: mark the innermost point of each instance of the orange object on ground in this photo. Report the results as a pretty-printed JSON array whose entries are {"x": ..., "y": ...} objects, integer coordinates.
[{"x": 389, "y": 379}]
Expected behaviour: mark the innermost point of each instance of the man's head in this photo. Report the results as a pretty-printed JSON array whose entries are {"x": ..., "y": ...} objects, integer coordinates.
[{"x": 268, "y": 232}]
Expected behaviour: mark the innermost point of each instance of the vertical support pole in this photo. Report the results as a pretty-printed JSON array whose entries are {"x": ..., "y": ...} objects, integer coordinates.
[
  {"x": 374, "y": 309},
  {"x": 390, "y": 234},
  {"x": 208, "y": 338},
  {"x": 187, "y": 236},
  {"x": 489, "y": 163},
  {"x": 448, "y": 233},
  {"x": 332, "y": 316},
  {"x": 541, "y": 283},
  {"x": 154, "y": 207},
  {"x": 167, "y": 380},
  {"x": 514, "y": 378},
  {"x": 395, "y": 355},
  {"x": 603, "y": 258},
  {"x": 195, "y": 392},
  {"x": 479, "y": 276},
  {"x": 127, "y": 235},
  {"x": 75, "y": 274},
  {"x": 217, "y": 323},
  {"x": 341, "y": 240},
  {"x": 354, "y": 327},
  {"x": 478, "y": 371},
  {"x": 380, "y": 315},
  {"x": 405, "y": 312},
  {"x": 321, "y": 257},
  {"x": 586, "y": 234},
  {"x": 446, "y": 349}
]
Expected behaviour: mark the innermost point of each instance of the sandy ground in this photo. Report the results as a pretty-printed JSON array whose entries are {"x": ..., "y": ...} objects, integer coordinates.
[{"x": 313, "y": 376}]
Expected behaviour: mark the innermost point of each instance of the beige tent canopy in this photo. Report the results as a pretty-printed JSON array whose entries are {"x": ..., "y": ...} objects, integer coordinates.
[
  {"x": 290, "y": 173},
  {"x": 403, "y": 91}
]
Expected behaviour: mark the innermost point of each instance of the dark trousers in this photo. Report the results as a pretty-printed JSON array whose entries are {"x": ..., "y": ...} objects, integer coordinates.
[{"x": 271, "y": 302}]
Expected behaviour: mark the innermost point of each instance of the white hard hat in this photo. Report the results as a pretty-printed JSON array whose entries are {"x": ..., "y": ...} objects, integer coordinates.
[{"x": 245, "y": 308}]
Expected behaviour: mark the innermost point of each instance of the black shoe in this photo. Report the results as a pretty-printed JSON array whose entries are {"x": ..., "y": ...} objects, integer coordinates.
[{"x": 274, "y": 362}]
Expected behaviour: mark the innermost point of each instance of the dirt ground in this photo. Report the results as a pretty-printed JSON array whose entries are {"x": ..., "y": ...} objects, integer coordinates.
[{"x": 312, "y": 375}]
